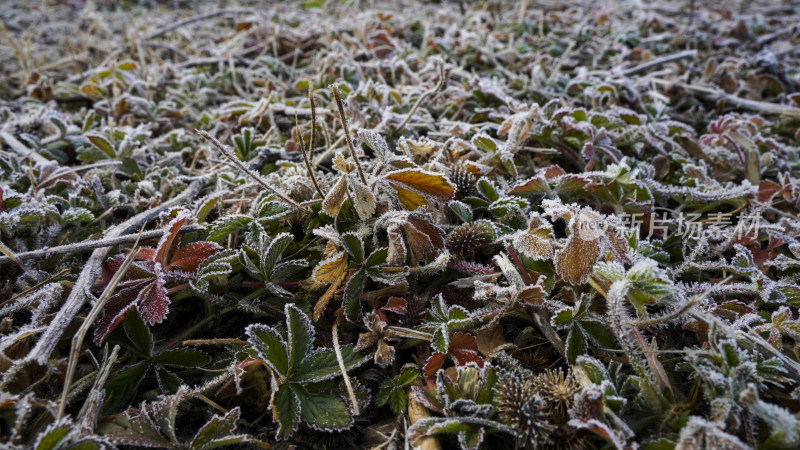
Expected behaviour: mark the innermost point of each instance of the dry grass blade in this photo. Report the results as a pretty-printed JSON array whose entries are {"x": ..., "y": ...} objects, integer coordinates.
[{"x": 77, "y": 340}]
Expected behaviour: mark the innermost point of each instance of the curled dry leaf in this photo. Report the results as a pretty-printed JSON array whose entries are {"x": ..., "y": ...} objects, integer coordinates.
[
  {"x": 537, "y": 242},
  {"x": 591, "y": 236}
]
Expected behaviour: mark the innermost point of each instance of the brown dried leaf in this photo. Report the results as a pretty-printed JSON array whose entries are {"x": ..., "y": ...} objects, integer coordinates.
[
  {"x": 537, "y": 242},
  {"x": 333, "y": 201}
]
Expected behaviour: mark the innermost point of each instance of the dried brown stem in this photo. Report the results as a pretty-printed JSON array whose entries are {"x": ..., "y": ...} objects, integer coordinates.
[
  {"x": 306, "y": 158},
  {"x": 77, "y": 340},
  {"x": 242, "y": 166},
  {"x": 339, "y": 104}
]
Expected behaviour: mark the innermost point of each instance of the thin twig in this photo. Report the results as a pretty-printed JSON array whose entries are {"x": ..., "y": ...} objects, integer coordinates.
[
  {"x": 34, "y": 287},
  {"x": 78, "y": 247},
  {"x": 347, "y": 132},
  {"x": 11, "y": 256},
  {"x": 195, "y": 19},
  {"x": 713, "y": 94},
  {"x": 313, "y": 145},
  {"x": 344, "y": 369},
  {"x": 87, "y": 417},
  {"x": 688, "y": 54},
  {"x": 242, "y": 166},
  {"x": 424, "y": 96}
]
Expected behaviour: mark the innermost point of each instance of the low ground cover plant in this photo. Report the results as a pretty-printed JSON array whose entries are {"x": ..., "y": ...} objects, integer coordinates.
[{"x": 369, "y": 225}]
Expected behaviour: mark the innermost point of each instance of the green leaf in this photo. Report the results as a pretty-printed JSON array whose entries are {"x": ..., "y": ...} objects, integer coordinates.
[
  {"x": 138, "y": 333},
  {"x": 441, "y": 339},
  {"x": 269, "y": 346},
  {"x": 322, "y": 364},
  {"x": 462, "y": 210},
  {"x": 792, "y": 294},
  {"x": 659, "y": 444},
  {"x": 487, "y": 189},
  {"x": 286, "y": 411},
  {"x": 123, "y": 385},
  {"x": 101, "y": 143},
  {"x": 406, "y": 377},
  {"x": 563, "y": 317},
  {"x": 168, "y": 381},
  {"x": 86, "y": 444},
  {"x": 183, "y": 357},
  {"x": 485, "y": 143},
  {"x": 352, "y": 295},
  {"x": 598, "y": 332},
  {"x": 205, "y": 205},
  {"x": 377, "y": 258},
  {"x": 324, "y": 412},
  {"x": 593, "y": 369},
  {"x": 54, "y": 436},
  {"x": 274, "y": 251},
  {"x": 385, "y": 390},
  {"x": 228, "y": 225},
  {"x": 300, "y": 333},
  {"x": 354, "y": 246},
  {"x": 216, "y": 428},
  {"x": 575, "y": 344},
  {"x": 398, "y": 401},
  {"x": 268, "y": 210}
]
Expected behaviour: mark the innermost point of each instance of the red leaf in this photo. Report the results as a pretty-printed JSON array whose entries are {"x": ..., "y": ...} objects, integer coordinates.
[
  {"x": 139, "y": 270},
  {"x": 536, "y": 184},
  {"x": 192, "y": 255},
  {"x": 148, "y": 253},
  {"x": 115, "y": 309},
  {"x": 553, "y": 171},
  {"x": 732, "y": 309},
  {"x": 766, "y": 190},
  {"x": 155, "y": 304},
  {"x": 434, "y": 363},
  {"x": 168, "y": 239},
  {"x": 464, "y": 349},
  {"x": 396, "y": 305},
  {"x": 571, "y": 183}
]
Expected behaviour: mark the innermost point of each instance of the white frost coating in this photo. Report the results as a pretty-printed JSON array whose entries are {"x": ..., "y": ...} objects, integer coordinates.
[
  {"x": 376, "y": 142},
  {"x": 698, "y": 431}
]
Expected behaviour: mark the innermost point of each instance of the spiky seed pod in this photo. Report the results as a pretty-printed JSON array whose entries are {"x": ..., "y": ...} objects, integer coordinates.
[
  {"x": 464, "y": 181},
  {"x": 416, "y": 310},
  {"x": 523, "y": 410},
  {"x": 566, "y": 437},
  {"x": 465, "y": 240},
  {"x": 557, "y": 390},
  {"x": 535, "y": 360}
]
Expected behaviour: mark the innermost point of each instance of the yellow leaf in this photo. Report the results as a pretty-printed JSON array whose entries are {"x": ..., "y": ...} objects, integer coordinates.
[
  {"x": 327, "y": 271},
  {"x": 425, "y": 184},
  {"x": 411, "y": 200},
  {"x": 322, "y": 303}
]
